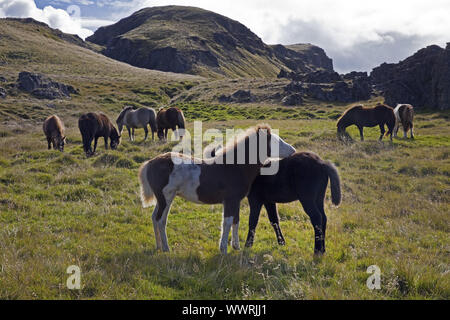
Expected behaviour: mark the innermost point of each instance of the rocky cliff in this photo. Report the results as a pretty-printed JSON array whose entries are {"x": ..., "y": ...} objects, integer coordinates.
[{"x": 422, "y": 80}]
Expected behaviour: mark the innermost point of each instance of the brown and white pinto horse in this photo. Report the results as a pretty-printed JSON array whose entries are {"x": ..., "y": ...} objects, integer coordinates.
[
  {"x": 361, "y": 116},
  {"x": 225, "y": 179},
  {"x": 404, "y": 114}
]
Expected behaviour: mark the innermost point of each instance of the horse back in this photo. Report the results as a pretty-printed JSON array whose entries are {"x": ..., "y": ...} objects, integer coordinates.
[{"x": 53, "y": 126}]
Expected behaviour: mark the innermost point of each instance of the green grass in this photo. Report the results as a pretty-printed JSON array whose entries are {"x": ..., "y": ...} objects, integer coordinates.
[{"x": 59, "y": 209}]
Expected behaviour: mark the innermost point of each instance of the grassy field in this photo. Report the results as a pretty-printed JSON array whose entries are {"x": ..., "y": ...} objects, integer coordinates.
[{"x": 62, "y": 209}]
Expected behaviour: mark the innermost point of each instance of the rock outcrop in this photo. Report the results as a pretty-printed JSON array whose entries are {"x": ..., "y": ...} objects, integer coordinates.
[
  {"x": 43, "y": 87},
  {"x": 422, "y": 80}
]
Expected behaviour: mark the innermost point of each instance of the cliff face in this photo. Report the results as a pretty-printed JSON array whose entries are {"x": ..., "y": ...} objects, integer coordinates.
[
  {"x": 197, "y": 41},
  {"x": 422, "y": 80}
]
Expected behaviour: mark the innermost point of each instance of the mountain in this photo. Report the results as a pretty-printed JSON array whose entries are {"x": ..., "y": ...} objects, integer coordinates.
[
  {"x": 196, "y": 41},
  {"x": 422, "y": 80}
]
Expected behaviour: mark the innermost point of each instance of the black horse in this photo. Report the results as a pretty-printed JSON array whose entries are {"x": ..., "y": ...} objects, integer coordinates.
[
  {"x": 302, "y": 176},
  {"x": 95, "y": 125}
]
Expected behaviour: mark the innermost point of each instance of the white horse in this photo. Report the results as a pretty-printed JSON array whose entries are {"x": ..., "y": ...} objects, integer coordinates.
[{"x": 139, "y": 118}]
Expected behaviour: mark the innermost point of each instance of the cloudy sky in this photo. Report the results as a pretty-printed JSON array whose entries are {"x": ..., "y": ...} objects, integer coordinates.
[{"x": 357, "y": 35}]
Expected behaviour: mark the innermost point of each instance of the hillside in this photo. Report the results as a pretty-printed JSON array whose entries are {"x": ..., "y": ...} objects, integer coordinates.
[
  {"x": 197, "y": 41},
  {"x": 103, "y": 83}
]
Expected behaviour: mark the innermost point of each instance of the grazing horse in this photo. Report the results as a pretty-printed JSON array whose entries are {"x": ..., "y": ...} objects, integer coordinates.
[
  {"x": 360, "y": 116},
  {"x": 139, "y": 118},
  {"x": 169, "y": 119},
  {"x": 302, "y": 176},
  {"x": 225, "y": 179},
  {"x": 404, "y": 114},
  {"x": 95, "y": 125},
  {"x": 54, "y": 131}
]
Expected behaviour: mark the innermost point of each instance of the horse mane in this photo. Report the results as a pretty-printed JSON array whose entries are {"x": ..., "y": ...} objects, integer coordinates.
[
  {"x": 122, "y": 113},
  {"x": 233, "y": 143},
  {"x": 357, "y": 107}
]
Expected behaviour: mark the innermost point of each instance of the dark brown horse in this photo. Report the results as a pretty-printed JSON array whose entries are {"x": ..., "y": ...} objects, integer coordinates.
[
  {"x": 54, "y": 132},
  {"x": 95, "y": 125},
  {"x": 170, "y": 118},
  {"x": 361, "y": 117},
  {"x": 224, "y": 179},
  {"x": 302, "y": 176}
]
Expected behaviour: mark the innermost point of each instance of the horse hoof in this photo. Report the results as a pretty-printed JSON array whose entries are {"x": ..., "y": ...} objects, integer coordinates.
[
  {"x": 281, "y": 242},
  {"x": 236, "y": 247}
]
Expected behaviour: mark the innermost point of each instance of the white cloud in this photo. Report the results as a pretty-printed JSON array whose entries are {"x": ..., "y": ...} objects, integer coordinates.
[{"x": 55, "y": 18}]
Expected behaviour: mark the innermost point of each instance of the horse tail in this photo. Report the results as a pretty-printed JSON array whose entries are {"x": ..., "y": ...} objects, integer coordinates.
[
  {"x": 147, "y": 194},
  {"x": 391, "y": 121},
  {"x": 181, "y": 119},
  {"x": 335, "y": 182},
  {"x": 152, "y": 120}
]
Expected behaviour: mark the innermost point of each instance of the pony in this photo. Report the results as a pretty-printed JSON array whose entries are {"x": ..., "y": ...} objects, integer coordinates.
[
  {"x": 95, "y": 125},
  {"x": 302, "y": 176},
  {"x": 169, "y": 119},
  {"x": 54, "y": 132},
  {"x": 404, "y": 114},
  {"x": 224, "y": 179},
  {"x": 361, "y": 116},
  {"x": 139, "y": 118}
]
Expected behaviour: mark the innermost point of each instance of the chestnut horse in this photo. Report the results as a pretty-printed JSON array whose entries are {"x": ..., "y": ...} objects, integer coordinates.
[
  {"x": 54, "y": 132},
  {"x": 404, "y": 114},
  {"x": 95, "y": 125},
  {"x": 169, "y": 119},
  {"x": 225, "y": 179},
  {"x": 360, "y": 116},
  {"x": 302, "y": 176}
]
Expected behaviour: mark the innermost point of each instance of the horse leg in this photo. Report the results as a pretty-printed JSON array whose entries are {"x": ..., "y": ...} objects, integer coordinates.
[
  {"x": 361, "y": 133},
  {"x": 411, "y": 128},
  {"x": 382, "y": 131},
  {"x": 49, "y": 142},
  {"x": 162, "y": 222},
  {"x": 255, "y": 210},
  {"x": 129, "y": 133},
  {"x": 95, "y": 143},
  {"x": 315, "y": 216},
  {"x": 146, "y": 132},
  {"x": 320, "y": 205},
  {"x": 230, "y": 210},
  {"x": 132, "y": 133},
  {"x": 106, "y": 142},
  {"x": 271, "y": 208},
  {"x": 166, "y": 132},
  {"x": 155, "y": 226},
  {"x": 235, "y": 233}
]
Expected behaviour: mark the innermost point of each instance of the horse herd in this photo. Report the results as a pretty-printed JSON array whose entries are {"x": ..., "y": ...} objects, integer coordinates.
[{"x": 301, "y": 176}]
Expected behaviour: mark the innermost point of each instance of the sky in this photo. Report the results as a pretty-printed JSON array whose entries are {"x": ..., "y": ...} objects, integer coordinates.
[{"x": 357, "y": 35}]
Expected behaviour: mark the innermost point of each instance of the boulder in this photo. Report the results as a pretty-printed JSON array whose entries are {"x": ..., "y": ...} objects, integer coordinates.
[
  {"x": 43, "y": 87},
  {"x": 242, "y": 96},
  {"x": 294, "y": 99}
]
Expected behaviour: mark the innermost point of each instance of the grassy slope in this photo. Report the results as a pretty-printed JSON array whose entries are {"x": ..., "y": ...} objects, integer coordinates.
[{"x": 62, "y": 209}]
